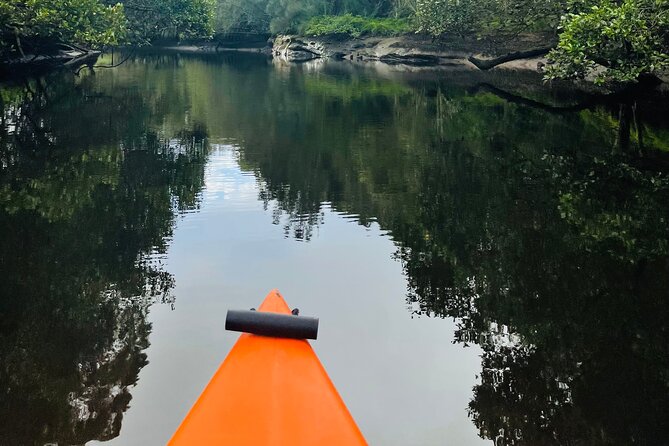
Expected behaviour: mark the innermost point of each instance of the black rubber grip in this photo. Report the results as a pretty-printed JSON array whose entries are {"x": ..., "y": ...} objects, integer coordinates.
[{"x": 272, "y": 324}]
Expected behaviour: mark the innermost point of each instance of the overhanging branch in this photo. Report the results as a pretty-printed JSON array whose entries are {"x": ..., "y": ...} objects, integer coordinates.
[{"x": 486, "y": 64}]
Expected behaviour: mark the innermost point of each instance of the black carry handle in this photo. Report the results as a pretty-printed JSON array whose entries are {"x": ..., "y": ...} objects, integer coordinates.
[{"x": 272, "y": 324}]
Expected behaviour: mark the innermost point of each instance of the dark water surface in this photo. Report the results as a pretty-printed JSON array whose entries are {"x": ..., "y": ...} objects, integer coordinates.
[{"x": 489, "y": 258}]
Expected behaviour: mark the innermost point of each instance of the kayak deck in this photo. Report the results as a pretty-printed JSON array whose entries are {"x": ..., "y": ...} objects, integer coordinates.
[{"x": 269, "y": 391}]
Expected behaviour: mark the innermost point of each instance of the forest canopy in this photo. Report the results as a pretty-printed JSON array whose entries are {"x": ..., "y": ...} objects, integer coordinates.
[
  {"x": 612, "y": 39},
  {"x": 31, "y": 25},
  {"x": 151, "y": 20},
  {"x": 39, "y": 26}
]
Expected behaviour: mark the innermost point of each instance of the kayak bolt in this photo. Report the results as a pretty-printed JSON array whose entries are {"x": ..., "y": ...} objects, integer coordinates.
[{"x": 295, "y": 312}]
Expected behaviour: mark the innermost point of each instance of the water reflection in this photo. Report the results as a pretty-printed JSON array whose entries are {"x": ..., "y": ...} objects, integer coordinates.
[
  {"x": 543, "y": 233},
  {"x": 541, "y": 229},
  {"x": 550, "y": 248},
  {"x": 88, "y": 198}
]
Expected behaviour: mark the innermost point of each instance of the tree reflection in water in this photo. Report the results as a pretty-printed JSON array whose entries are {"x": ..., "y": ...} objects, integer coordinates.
[
  {"x": 88, "y": 201},
  {"x": 545, "y": 241},
  {"x": 541, "y": 230}
]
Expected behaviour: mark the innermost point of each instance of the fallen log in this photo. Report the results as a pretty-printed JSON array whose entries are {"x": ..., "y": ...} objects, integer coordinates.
[
  {"x": 486, "y": 64},
  {"x": 83, "y": 58}
]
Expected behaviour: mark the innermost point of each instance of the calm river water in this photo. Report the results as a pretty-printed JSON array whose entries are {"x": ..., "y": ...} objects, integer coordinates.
[{"x": 489, "y": 258}]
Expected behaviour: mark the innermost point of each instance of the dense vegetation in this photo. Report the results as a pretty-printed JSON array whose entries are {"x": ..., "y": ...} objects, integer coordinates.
[
  {"x": 280, "y": 16},
  {"x": 610, "y": 40},
  {"x": 150, "y": 20},
  {"x": 35, "y": 27},
  {"x": 613, "y": 40},
  {"x": 478, "y": 17},
  {"x": 356, "y": 26},
  {"x": 605, "y": 40}
]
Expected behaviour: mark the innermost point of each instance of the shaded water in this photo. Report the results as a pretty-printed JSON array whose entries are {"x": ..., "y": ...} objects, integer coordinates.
[{"x": 487, "y": 266}]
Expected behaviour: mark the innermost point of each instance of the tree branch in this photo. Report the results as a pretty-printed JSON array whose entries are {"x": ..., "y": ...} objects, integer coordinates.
[
  {"x": 486, "y": 64},
  {"x": 18, "y": 42}
]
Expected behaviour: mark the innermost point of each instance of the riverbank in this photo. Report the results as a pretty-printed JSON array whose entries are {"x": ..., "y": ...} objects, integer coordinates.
[
  {"x": 409, "y": 50},
  {"x": 415, "y": 50},
  {"x": 524, "y": 53},
  {"x": 36, "y": 63}
]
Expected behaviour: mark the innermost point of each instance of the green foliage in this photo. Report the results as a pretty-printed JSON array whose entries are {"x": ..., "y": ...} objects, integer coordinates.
[
  {"x": 182, "y": 19},
  {"x": 83, "y": 22},
  {"x": 373, "y": 8},
  {"x": 463, "y": 17},
  {"x": 356, "y": 26},
  {"x": 242, "y": 15},
  {"x": 80, "y": 21},
  {"x": 612, "y": 40},
  {"x": 289, "y": 15},
  {"x": 449, "y": 16},
  {"x": 279, "y": 16},
  {"x": 37, "y": 26}
]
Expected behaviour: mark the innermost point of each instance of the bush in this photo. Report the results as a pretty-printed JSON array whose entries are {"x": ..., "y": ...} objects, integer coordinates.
[
  {"x": 356, "y": 26},
  {"x": 30, "y": 26},
  {"x": 614, "y": 41}
]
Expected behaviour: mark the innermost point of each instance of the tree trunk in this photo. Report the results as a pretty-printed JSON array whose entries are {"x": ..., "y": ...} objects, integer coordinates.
[
  {"x": 624, "y": 128},
  {"x": 486, "y": 64},
  {"x": 639, "y": 129},
  {"x": 18, "y": 42}
]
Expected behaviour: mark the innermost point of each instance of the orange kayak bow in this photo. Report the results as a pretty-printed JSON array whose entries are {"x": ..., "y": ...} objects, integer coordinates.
[{"x": 270, "y": 390}]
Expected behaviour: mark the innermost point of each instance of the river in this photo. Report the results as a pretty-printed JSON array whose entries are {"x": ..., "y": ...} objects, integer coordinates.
[{"x": 489, "y": 257}]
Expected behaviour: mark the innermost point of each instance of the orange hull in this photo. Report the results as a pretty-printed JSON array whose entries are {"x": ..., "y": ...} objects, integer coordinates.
[{"x": 269, "y": 391}]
